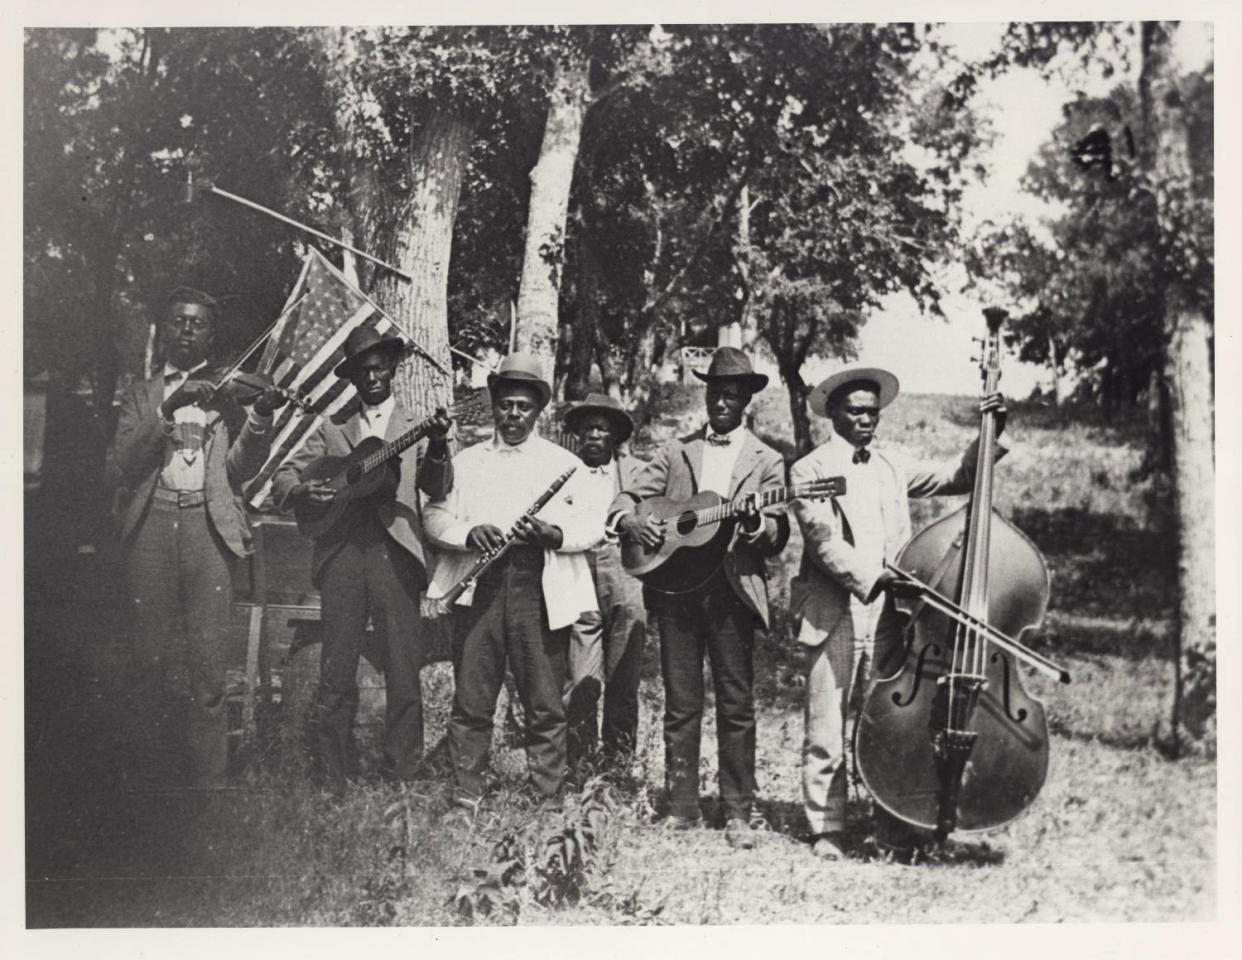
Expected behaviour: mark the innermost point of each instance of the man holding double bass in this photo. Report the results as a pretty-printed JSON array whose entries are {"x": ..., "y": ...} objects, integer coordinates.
[
  {"x": 719, "y": 616},
  {"x": 848, "y": 632}
]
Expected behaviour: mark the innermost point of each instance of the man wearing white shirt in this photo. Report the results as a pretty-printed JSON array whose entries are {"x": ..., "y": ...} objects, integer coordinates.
[
  {"x": 606, "y": 646},
  {"x": 371, "y": 564},
  {"x": 520, "y": 610},
  {"x": 838, "y": 595},
  {"x": 718, "y": 619},
  {"x": 184, "y": 452}
]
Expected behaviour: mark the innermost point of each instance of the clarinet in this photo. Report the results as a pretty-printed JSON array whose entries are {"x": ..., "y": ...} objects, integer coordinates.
[{"x": 491, "y": 556}]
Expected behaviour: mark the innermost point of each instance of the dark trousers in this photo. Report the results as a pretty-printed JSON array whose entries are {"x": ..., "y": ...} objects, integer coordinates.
[
  {"x": 370, "y": 575},
  {"x": 713, "y": 620},
  {"x": 179, "y": 586},
  {"x": 507, "y": 624},
  {"x": 606, "y": 649}
]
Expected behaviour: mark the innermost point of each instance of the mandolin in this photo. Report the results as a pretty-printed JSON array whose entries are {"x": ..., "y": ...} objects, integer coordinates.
[{"x": 696, "y": 534}]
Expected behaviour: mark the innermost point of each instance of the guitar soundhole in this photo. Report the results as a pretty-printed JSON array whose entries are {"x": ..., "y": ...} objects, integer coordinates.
[
  {"x": 686, "y": 522},
  {"x": 354, "y": 473}
]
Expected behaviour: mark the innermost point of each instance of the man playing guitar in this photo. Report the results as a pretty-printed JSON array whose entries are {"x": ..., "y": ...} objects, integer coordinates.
[
  {"x": 720, "y": 616},
  {"x": 371, "y": 563}
]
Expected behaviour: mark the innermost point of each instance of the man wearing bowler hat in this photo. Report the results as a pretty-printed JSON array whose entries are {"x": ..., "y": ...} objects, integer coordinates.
[
  {"x": 606, "y": 646},
  {"x": 846, "y": 629},
  {"x": 372, "y": 563},
  {"x": 720, "y": 617},
  {"x": 520, "y": 610}
]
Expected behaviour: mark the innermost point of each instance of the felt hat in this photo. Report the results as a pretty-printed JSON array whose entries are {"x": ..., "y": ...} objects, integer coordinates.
[
  {"x": 523, "y": 368},
  {"x": 363, "y": 340},
  {"x": 729, "y": 363},
  {"x": 883, "y": 380},
  {"x": 603, "y": 404}
]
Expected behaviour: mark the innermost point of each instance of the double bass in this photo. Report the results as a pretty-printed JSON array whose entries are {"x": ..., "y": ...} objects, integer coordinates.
[{"x": 951, "y": 740}]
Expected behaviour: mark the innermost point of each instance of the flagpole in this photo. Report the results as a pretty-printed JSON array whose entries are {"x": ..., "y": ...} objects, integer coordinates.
[{"x": 212, "y": 188}]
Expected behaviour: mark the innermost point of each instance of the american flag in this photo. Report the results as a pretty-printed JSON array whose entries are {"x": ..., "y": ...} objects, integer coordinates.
[{"x": 304, "y": 348}]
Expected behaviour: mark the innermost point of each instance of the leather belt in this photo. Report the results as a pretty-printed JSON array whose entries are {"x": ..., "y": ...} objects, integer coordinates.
[{"x": 181, "y": 498}]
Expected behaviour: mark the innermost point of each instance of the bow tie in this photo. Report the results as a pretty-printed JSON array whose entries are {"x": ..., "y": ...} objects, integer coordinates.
[
  {"x": 719, "y": 439},
  {"x": 862, "y": 455},
  {"x": 605, "y": 468}
]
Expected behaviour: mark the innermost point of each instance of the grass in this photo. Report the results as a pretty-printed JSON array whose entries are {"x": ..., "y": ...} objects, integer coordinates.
[{"x": 1119, "y": 832}]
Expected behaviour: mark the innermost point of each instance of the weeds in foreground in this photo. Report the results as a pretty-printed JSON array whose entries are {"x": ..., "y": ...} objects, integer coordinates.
[{"x": 550, "y": 868}]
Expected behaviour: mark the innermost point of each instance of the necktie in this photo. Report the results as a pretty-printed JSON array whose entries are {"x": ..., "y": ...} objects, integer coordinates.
[
  {"x": 862, "y": 455},
  {"x": 719, "y": 439}
]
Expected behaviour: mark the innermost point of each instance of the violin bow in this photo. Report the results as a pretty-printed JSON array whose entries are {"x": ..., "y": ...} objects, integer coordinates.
[{"x": 938, "y": 601}]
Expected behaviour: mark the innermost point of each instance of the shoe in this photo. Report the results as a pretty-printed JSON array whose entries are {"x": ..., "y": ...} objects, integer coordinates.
[
  {"x": 740, "y": 834},
  {"x": 828, "y": 846}
]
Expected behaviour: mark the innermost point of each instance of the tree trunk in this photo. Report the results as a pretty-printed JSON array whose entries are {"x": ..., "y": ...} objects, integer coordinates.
[
  {"x": 1055, "y": 353},
  {"x": 798, "y": 411},
  {"x": 421, "y": 243},
  {"x": 608, "y": 375},
  {"x": 551, "y": 178},
  {"x": 582, "y": 347},
  {"x": 1188, "y": 374}
]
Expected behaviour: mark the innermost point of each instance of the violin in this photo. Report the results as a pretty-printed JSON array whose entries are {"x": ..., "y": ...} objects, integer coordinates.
[
  {"x": 951, "y": 740},
  {"x": 245, "y": 388}
]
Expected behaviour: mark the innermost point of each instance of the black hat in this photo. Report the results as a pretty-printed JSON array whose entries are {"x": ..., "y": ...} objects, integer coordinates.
[
  {"x": 609, "y": 407},
  {"x": 729, "y": 363},
  {"x": 363, "y": 340},
  {"x": 523, "y": 368}
]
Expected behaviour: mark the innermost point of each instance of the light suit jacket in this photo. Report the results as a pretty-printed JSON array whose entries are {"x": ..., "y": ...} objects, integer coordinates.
[
  {"x": 336, "y": 437},
  {"x": 674, "y": 473},
  {"x": 232, "y": 451},
  {"x": 831, "y": 569}
]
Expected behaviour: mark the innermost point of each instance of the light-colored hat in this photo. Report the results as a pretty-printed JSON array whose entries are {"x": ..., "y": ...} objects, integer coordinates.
[
  {"x": 523, "y": 368},
  {"x": 609, "y": 407},
  {"x": 885, "y": 381}
]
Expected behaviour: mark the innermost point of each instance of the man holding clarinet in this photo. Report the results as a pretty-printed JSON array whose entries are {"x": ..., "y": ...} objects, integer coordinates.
[{"x": 519, "y": 609}]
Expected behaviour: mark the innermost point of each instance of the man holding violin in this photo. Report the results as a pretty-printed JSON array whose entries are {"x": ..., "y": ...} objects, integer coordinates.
[
  {"x": 184, "y": 449},
  {"x": 838, "y": 590}
]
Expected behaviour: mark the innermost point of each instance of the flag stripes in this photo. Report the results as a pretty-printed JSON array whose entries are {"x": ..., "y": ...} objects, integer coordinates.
[{"x": 302, "y": 354}]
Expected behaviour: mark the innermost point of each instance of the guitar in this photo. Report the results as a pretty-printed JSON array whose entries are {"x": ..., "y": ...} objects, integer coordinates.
[
  {"x": 359, "y": 474},
  {"x": 696, "y": 535}
]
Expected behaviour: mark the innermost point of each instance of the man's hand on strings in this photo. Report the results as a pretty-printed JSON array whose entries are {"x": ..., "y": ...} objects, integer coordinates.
[
  {"x": 647, "y": 530},
  {"x": 901, "y": 588},
  {"x": 995, "y": 402},
  {"x": 752, "y": 517},
  {"x": 312, "y": 492}
]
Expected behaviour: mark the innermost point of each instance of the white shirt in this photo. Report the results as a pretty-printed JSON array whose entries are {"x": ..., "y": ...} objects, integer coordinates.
[
  {"x": 495, "y": 483},
  {"x": 602, "y": 484},
  {"x": 183, "y": 469},
  {"x": 719, "y": 460},
  {"x": 374, "y": 420}
]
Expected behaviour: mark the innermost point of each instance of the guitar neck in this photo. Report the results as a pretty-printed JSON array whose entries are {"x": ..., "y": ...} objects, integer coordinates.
[
  {"x": 394, "y": 447},
  {"x": 767, "y": 498}
]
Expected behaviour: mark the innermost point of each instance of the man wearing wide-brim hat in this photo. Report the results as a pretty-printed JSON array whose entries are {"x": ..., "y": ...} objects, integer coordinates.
[
  {"x": 838, "y": 593},
  {"x": 520, "y": 610},
  {"x": 719, "y": 618},
  {"x": 606, "y": 646},
  {"x": 373, "y": 563}
]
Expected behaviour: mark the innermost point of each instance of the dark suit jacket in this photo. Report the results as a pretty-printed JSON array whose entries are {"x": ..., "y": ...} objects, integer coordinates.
[
  {"x": 674, "y": 473},
  {"x": 233, "y": 454},
  {"x": 401, "y": 516}
]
